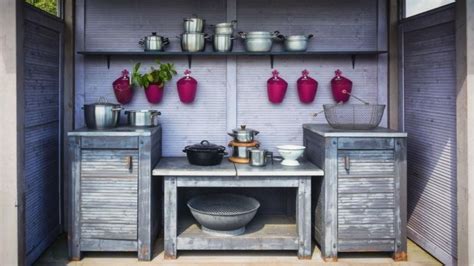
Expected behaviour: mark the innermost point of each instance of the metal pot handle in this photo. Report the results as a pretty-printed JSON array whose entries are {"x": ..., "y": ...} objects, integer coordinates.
[
  {"x": 166, "y": 41},
  {"x": 256, "y": 132},
  {"x": 242, "y": 34},
  {"x": 102, "y": 99},
  {"x": 310, "y": 36},
  {"x": 231, "y": 134},
  {"x": 269, "y": 154},
  {"x": 204, "y": 142},
  {"x": 141, "y": 42}
]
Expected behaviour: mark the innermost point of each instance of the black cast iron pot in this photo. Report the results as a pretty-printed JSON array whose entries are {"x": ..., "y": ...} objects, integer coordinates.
[{"x": 205, "y": 153}]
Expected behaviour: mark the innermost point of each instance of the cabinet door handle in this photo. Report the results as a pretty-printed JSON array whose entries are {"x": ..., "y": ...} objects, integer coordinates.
[
  {"x": 130, "y": 163},
  {"x": 347, "y": 163}
]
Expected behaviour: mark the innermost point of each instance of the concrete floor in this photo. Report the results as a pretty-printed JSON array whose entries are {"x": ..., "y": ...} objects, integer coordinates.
[{"x": 57, "y": 255}]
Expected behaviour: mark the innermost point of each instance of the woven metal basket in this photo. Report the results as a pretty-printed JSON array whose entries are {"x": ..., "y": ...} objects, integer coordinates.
[{"x": 354, "y": 116}]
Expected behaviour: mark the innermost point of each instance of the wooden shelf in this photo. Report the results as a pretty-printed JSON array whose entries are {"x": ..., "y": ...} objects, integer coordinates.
[
  {"x": 189, "y": 55},
  {"x": 262, "y": 233}
]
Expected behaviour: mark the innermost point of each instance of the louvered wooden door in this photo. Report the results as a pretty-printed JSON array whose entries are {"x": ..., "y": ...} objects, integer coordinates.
[
  {"x": 366, "y": 200},
  {"x": 108, "y": 195}
]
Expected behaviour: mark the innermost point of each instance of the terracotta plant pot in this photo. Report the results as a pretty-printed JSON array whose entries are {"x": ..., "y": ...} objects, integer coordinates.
[
  {"x": 307, "y": 88},
  {"x": 154, "y": 93},
  {"x": 341, "y": 88},
  {"x": 123, "y": 90},
  {"x": 187, "y": 87},
  {"x": 276, "y": 88}
]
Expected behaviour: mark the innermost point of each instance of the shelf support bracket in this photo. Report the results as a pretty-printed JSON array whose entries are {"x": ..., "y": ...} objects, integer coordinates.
[
  {"x": 108, "y": 61},
  {"x": 353, "y": 58},
  {"x": 190, "y": 61},
  {"x": 272, "y": 60}
]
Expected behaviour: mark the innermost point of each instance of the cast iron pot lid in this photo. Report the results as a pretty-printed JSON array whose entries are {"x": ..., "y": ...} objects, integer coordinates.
[{"x": 205, "y": 146}]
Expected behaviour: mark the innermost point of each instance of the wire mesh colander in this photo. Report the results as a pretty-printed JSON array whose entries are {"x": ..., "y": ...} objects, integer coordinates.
[{"x": 354, "y": 116}]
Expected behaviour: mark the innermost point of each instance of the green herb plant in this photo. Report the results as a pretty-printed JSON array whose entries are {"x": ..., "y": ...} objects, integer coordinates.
[{"x": 160, "y": 75}]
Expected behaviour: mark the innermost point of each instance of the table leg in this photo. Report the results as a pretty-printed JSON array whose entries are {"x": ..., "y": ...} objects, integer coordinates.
[
  {"x": 303, "y": 219},
  {"x": 170, "y": 219}
]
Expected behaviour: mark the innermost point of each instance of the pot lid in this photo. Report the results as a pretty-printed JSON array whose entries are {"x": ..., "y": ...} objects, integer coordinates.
[
  {"x": 142, "y": 111},
  {"x": 259, "y": 34},
  {"x": 205, "y": 146},
  {"x": 297, "y": 37},
  {"x": 243, "y": 129},
  {"x": 103, "y": 102}
]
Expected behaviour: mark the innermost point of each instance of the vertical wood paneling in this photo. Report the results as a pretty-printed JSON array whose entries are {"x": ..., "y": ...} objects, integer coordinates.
[
  {"x": 42, "y": 137},
  {"x": 429, "y": 72},
  {"x": 338, "y": 25}
]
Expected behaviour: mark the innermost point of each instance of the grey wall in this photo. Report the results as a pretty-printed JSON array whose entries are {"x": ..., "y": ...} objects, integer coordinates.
[
  {"x": 429, "y": 100},
  {"x": 338, "y": 25}
]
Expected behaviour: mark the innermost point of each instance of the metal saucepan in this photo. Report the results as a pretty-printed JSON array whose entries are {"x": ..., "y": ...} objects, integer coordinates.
[
  {"x": 259, "y": 41},
  {"x": 205, "y": 153},
  {"x": 225, "y": 27},
  {"x": 194, "y": 24},
  {"x": 243, "y": 134},
  {"x": 223, "y": 42},
  {"x": 102, "y": 115},
  {"x": 193, "y": 42},
  {"x": 142, "y": 118},
  {"x": 296, "y": 43},
  {"x": 259, "y": 157},
  {"x": 154, "y": 42}
]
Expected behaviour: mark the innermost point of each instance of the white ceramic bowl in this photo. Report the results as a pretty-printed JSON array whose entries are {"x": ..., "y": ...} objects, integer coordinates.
[{"x": 290, "y": 154}]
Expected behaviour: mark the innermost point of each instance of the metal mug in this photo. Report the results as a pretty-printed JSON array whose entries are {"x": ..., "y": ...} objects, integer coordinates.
[{"x": 259, "y": 157}]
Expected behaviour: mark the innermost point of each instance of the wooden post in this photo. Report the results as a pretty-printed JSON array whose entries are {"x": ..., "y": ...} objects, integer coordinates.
[
  {"x": 303, "y": 216},
  {"x": 145, "y": 243},
  {"x": 12, "y": 250},
  {"x": 465, "y": 129},
  {"x": 329, "y": 244},
  {"x": 171, "y": 219},
  {"x": 74, "y": 203}
]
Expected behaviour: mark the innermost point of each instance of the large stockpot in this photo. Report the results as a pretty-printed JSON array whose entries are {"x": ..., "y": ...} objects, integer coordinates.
[
  {"x": 258, "y": 41},
  {"x": 142, "y": 118},
  {"x": 154, "y": 42},
  {"x": 296, "y": 43},
  {"x": 205, "y": 153},
  {"x": 193, "y": 42},
  {"x": 223, "y": 42},
  {"x": 102, "y": 115},
  {"x": 259, "y": 157},
  {"x": 193, "y": 25},
  {"x": 243, "y": 134}
]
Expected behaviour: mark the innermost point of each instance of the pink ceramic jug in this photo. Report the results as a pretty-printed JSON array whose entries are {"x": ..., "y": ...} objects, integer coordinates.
[
  {"x": 276, "y": 88},
  {"x": 341, "y": 87},
  {"x": 187, "y": 87},
  {"x": 307, "y": 87}
]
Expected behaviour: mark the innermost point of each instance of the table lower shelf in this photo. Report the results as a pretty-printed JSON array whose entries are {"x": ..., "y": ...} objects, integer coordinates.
[{"x": 275, "y": 232}]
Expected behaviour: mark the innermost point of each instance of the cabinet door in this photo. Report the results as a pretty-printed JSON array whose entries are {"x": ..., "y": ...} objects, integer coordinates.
[
  {"x": 366, "y": 211},
  {"x": 109, "y": 194}
]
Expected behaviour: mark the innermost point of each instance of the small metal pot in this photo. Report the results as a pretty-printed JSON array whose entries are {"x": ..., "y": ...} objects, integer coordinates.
[
  {"x": 154, "y": 42},
  {"x": 193, "y": 42},
  {"x": 194, "y": 25},
  {"x": 223, "y": 42},
  {"x": 243, "y": 134},
  {"x": 102, "y": 115},
  {"x": 205, "y": 153},
  {"x": 225, "y": 28},
  {"x": 259, "y": 41},
  {"x": 142, "y": 118},
  {"x": 259, "y": 157},
  {"x": 296, "y": 43}
]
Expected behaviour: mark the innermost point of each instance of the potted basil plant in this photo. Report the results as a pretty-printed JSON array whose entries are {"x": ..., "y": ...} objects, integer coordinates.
[{"x": 154, "y": 80}]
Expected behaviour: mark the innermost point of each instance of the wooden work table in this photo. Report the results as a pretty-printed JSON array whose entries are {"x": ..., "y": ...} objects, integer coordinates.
[{"x": 265, "y": 232}]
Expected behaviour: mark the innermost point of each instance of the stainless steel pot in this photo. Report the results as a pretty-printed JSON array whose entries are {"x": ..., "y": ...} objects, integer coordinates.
[
  {"x": 102, "y": 115},
  {"x": 142, "y": 118},
  {"x": 225, "y": 28},
  {"x": 258, "y": 41},
  {"x": 193, "y": 25},
  {"x": 259, "y": 157},
  {"x": 243, "y": 134},
  {"x": 193, "y": 42},
  {"x": 223, "y": 42},
  {"x": 154, "y": 42},
  {"x": 296, "y": 43},
  {"x": 241, "y": 151}
]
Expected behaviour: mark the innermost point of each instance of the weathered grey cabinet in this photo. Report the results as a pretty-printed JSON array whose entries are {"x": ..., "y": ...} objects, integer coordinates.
[
  {"x": 111, "y": 206},
  {"x": 361, "y": 201}
]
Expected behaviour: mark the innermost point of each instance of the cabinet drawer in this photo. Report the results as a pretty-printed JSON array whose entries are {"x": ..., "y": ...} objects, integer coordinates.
[
  {"x": 109, "y": 194},
  {"x": 109, "y": 143},
  {"x": 365, "y": 163},
  {"x": 365, "y": 143}
]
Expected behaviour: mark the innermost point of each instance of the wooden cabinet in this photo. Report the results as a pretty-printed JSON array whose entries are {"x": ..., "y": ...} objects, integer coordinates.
[
  {"x": 361, "y": 202},
  {"x": 111, "y": 205}
]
